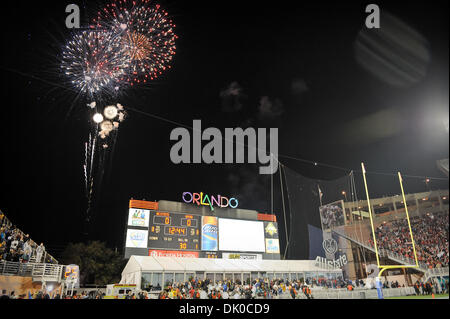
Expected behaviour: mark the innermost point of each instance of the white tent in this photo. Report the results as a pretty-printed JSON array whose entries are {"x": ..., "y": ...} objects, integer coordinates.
[{"x": 169, "y": 267}]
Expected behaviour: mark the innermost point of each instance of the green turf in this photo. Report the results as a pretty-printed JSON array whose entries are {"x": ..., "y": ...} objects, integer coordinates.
[{"x": 420, "y": 297}]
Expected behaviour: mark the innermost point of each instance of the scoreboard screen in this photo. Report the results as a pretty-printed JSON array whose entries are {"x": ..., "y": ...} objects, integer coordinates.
[
  {"x": 174, "y": 231},
  {"x": 151, "y": 231}
]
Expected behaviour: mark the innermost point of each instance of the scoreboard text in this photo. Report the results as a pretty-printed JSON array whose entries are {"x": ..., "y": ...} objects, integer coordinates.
[{"x": 174, "y": 231}]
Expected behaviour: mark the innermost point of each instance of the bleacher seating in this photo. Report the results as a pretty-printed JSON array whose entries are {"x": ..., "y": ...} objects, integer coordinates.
[{"x": 16, "y": 246}]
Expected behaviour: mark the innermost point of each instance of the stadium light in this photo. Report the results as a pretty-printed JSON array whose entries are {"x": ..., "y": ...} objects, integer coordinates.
[{"x": 98, "y": 118}]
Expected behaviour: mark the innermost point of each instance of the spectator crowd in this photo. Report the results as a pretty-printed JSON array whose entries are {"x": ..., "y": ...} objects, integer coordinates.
[
  {"x": 431, "y": 287},
  {"x": 430, "y": 235},
  {"x": 257, "y": 289},
  {"x": 15, "y": 246},
  {"x": 263, "y": 288}
]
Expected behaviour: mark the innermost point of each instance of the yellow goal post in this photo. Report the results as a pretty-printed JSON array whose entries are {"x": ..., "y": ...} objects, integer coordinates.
[{"x": 384, "y": 267}]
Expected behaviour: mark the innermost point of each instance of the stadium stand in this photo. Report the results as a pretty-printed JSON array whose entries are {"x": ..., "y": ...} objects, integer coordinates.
[
  {"x": 24, "y": 265},
  {"x": 430, "y": 234},
  {"x": 429, "y": 215},
  {"x": 16, "y": 246}
]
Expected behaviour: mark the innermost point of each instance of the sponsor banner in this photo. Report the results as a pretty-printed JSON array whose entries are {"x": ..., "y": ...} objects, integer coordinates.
[
  {"x": 211, "y": 254},
  {"x": 330, "y": 246},
  {"x": 173, "y": 253},
  {"x": 211, "y": 201},
  {"x": 242, "y": 256},
  {"x": 209, "y": 233},
  {"x": 138, "y": 217},
  {"x": 334, "y": 264},
  {"x": 315, "y": 238},
  {"x": 137, "y": 238},
  {"x": 272, "y": 246}
]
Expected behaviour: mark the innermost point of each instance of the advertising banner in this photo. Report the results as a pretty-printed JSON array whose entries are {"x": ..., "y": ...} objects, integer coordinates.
[
  {"x": 242, "y": 256},
  {"x": 209, "y": 233},
  {"x": 210, "y": 254},
  {"x": 173, "y": 253},
  {"x": 138, "y": 217},
  {"x": 270, "y": 230},
  {"x": 137, "y": 238},
  {"x": 272, "y": 246}
]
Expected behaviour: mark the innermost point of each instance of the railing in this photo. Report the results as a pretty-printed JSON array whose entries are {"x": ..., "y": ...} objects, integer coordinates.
[
  {"x": 436, "y": 272},
  {"x": 321, "y": 293},
  {"x": 39, "y": 272},
  {"x": 45, "y": 257},
  {"x": 404, "y": 260},
  {"x": 384, "y": 253},
  {"x": 443, "y": 271}
]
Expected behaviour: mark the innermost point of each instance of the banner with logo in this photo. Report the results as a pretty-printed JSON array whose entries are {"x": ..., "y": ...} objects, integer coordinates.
[
  {"x": 242, "y": 256},
  {"x": 173, "y": 253},
  {"x": 326, "y": 248},
  {"x": 270, "y": 230},
  {"x": 210, "y": 254},
  {"x": 209, "y": 233},
  {"x": 272, "y": 246},
  {"x": 138, "y": 217}
]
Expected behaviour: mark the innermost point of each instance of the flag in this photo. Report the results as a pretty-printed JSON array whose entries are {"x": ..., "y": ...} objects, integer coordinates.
[{"x": 320, "y": 193}]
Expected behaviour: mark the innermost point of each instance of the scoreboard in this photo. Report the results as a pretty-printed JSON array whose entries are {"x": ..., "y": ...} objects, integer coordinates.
[
  {"x": 154, "y": 232},
  {"x": 174, "y": 231}
]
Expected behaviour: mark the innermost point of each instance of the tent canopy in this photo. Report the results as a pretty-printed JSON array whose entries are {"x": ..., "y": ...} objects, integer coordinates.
[{"x": 173, "y": 264}]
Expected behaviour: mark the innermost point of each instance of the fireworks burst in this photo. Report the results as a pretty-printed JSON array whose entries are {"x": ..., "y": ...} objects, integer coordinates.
[
  {"x": 130, "y": 42},
  {"x": 94, "y": 61},
  {"x": 146, "y": 34}
]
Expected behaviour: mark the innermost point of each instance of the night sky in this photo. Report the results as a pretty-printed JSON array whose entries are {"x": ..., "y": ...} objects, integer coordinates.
[{"x": 295, "y": 67}]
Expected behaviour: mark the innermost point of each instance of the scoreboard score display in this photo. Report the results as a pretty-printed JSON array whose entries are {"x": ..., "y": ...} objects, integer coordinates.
[
  {"x": 176, "y": 234},
  {"x": 174, "y": 231}
]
